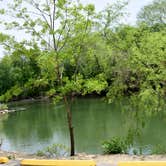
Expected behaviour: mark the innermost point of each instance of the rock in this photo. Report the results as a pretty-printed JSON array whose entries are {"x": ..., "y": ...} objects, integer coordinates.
[
  {"x": 2, "y": 112},
  {"x": 6, "y": 111}
]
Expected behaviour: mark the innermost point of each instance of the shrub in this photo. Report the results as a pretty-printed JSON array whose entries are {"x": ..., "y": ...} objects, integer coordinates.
[
  {"x": 55, "y": 150},
  {"x": 114, "y": 146}
]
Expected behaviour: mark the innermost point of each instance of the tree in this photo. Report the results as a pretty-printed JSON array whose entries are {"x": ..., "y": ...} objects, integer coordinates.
[
  {"x": 111, "y": 17},
  {"x": 154, "y": 13},
  {"x": 58, "y": 27},
  {"x": 138, "y": 69},
  {"x": 6, "y": 79}
]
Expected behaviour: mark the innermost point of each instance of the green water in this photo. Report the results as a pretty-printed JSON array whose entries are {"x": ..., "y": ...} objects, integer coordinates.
[{"x": 43, "y": 124}]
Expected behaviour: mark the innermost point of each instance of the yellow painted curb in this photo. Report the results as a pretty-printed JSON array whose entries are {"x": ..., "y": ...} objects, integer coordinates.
[
  {"x": 3, "y": 160},
  {"x": 142, "y": 163},
  {"x": 28, "y": 162}
]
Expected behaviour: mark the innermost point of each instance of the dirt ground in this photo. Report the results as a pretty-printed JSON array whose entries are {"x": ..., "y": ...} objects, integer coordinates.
[{"x": 101, "y": 160}]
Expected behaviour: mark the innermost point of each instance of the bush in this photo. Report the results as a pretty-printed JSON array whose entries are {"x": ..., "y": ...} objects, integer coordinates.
[
  {"x": 55, "y": 150},
  {"x": 114, "y": 146},
  {"x": 3, "y": 107}
]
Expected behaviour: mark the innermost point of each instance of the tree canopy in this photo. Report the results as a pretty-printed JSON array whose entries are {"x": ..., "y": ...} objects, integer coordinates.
[{"x": 154, "y": 13}]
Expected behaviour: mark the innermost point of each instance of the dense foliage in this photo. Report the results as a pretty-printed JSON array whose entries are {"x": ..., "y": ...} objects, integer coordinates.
[
  {"x": 132, "y": 60},
  {"x": 119, "y": 60},
  {"x": 154, "y": 13}
]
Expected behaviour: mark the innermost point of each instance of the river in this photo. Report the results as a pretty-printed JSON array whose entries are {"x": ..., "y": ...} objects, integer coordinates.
[{"x": 44, "y": 123}]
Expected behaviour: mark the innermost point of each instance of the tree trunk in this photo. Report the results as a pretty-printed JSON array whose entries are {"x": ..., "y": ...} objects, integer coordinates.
[
  {"x": 69, "y": 115},
  {"x": 71, "y": 129}
]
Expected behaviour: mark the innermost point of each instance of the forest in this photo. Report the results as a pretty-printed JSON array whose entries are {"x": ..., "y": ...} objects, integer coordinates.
[{"x": 77, "y": 51}]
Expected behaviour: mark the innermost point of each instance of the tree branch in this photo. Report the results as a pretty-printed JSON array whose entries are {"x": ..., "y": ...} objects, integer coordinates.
[
  {"x": 42, "y": 13},
  {"x": 53, "y": 27},
  {"x": 63, "y": 28}
]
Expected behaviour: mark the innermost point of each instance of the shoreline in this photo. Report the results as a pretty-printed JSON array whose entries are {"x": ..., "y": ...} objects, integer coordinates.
[
  {"x": 100, "y": 159},
  {"x": 37, "y": 99}
]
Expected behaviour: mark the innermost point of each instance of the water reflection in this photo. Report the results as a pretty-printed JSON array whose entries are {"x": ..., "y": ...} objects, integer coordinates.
[
  {"x": 44, "y": 123},
  {"x": 28, "y": 130}
]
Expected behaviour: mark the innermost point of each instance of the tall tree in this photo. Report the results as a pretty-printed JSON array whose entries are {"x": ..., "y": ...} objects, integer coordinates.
[
  {"x": 154, "y": 13},
  {"x": 54, "y": 25}
]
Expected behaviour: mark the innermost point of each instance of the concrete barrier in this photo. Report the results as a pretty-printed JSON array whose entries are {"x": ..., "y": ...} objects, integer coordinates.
[
  {"x": 3, "y": 160},
  {"x": 28, "y": 162}
]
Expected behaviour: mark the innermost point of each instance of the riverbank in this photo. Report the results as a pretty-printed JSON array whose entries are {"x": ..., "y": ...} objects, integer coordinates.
[{"x": 101, "y": 160}]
